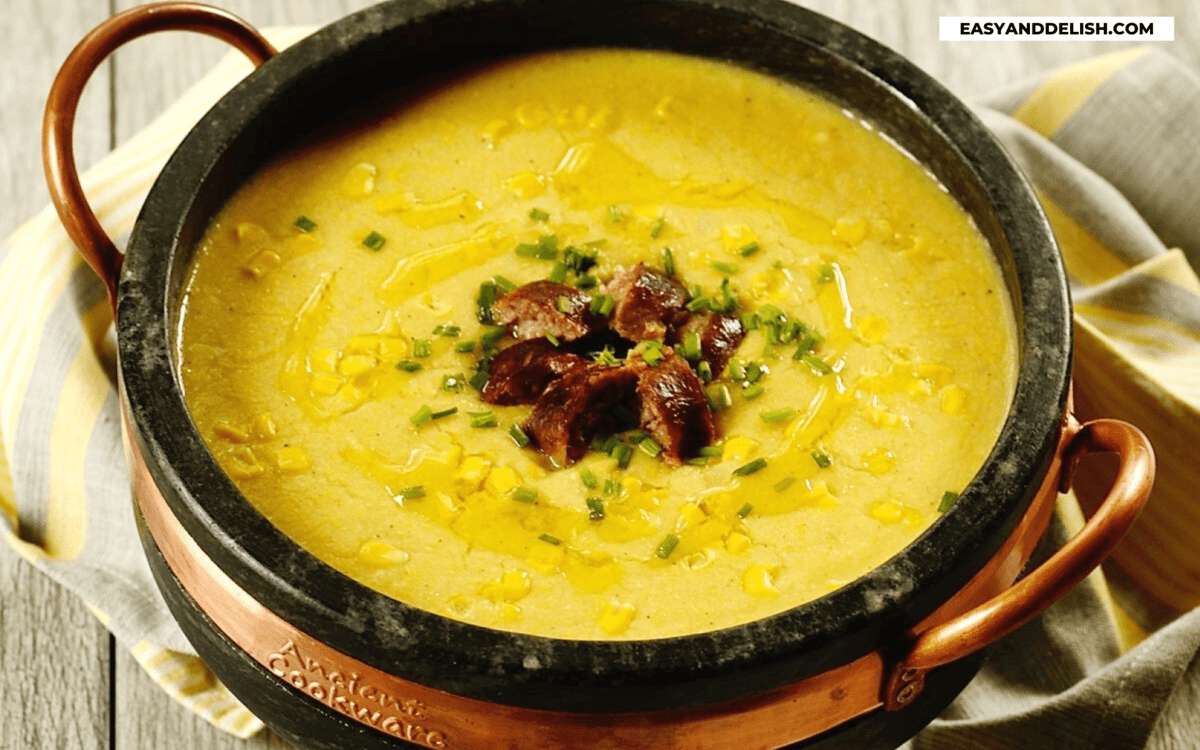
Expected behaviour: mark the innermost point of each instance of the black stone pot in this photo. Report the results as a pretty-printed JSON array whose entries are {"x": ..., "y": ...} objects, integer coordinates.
[{"x": 400, "y": 42}]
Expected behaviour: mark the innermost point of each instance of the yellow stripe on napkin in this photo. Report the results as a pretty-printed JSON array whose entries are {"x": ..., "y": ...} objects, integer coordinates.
[{"x": 1061, "y": 95}]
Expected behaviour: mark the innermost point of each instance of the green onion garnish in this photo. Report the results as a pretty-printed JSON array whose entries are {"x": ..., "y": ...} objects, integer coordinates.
[
  {"x": 753, "y": 391},
  {"x": 550, "y": 539},
  {"x": 666, "y": 546},
  {"x": 588, "y": 477},
  {"x": 712, "y": 451},
  {"x": 657, "y": 227},
  {"x": 777, "y": 415},
  {"x": 484, "y": 302},
  {"x": 704, "y": 370},
  {"x": 612, "y": 487},
  {"x": 948, "y": 499},
  {"x": 453, "y": 383},
  {"x": 816, "y": 363},
  {"x": 411, "y": 493},
  {"x": 691, "y": 346},
  {"x": 563, "y": 303},
  {"x": 806, "y": 344},
  {"x": 538, "y": 251},
  {"x": 754, "y": 371},
  {"x": 408, "y": 365},
  {"x": 503, "y": 284},
  {"x": 524, "y": 495},
  {"x": 538, "y": 214},
  {"x": 304, "y": 224},
  {"x": 747, "y": 250},
  {"x": 478, "y": 379},
  {"x": 822, "y": 458},
  {"x": 421, "y": 416},
  {"x": 489, "y": 336},
  {"x": 552, "y": 339},
  {"x": 825, "y": 273},
  {"x": 518, "y": 436},
  {"x": 744, "y": 510},
  {"x": 465, "y": 347},
  {"x": 444, "y": 413},
  {"x": 601, "y": 305},
  {"x": 719, "y": 397},
  {"x": 723, "y": 267},
  {"x": 748, "y": 469},
  {"x": 615, "y": 215},
  {"x": 784, "y": 483},
  {"x": 558, "y": 274},
  {"x": 587, "y": 281},
  {"x": 422, "y": 347},
  {"x": 595, "y": 509},
  {"x": 606, "y": 356},
  {"x": 447, "y": 330},
  {"x": 624, "y": 454},
  {"x": 751, "y": 321},
  {"x": 650, "y": 447},
  {"x": 374, "y": 241},
  {"x": 482, "y": 418},
  {"x": 668, "y": 261},
  {"x": 697, "y": 461},
  {"x": 698, "y": 303}
]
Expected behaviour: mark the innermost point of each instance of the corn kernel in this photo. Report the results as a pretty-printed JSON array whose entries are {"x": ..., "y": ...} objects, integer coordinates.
[
  {"x": 698, "y": 560},
  {"x": 819, "y": 496},
  {"x": 881, "y": 417},
  {"x": 531, "y": 115},
  {"x": 690, "y": 514},
  {"x": 546, "y": 558},
  {"x": 381, "y": 554},
  {"x": 515, "y": 585},
  {"x": 363, "y": 344},
  {"x": 494, "y": 131},
  {"x": 245, "y": 464},
  {"x": 616, "y": 617},
  {"x": 878, "y": 461},
  {"x": 759, "y": 580},
  {"x": 937, "y": 374},
  {"x": 631, "y": 485},
  {"x": 954, "y": 399},
  {"x": 292, "y": 458},
  {"x": 359, "y": 182},
  {"x": 501, "y": 480},
  {"x": 323, "y": 360},
  {"x": 872, "y": 329},
  {"x": 301, "y": 244},
  {"x": 231, "y": 433},
  {"x": 737, "y": 542},
  {"x": 393, "y": 348},
  {"x": 525, "y": 185},
  {"x": 850, "y": 230},
  {"x": 356, "y": 364},
  {"x": 736, "y": 236},
  {"x": 262, "y": 427},
  {"x": 471, "y": 473},
  {"x": 602, "y": 121},
  {"x": 324, "y": 384},
  {"x": 887, "y": 511},
  {"x": 251, "y": 234},
  {"x": 261, "y": 264},
  {"x": 739, "y": 449},
  {"x": 510, "y": 612}
]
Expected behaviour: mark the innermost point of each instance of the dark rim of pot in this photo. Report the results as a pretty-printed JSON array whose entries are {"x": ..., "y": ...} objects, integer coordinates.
[{"x": 403, "y": 41}]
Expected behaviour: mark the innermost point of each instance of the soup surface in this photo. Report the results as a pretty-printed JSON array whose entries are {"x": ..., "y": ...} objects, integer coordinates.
[{"x": 350, "y": 310}]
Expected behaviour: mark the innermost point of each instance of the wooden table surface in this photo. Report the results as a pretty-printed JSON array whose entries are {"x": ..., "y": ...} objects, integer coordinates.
[{"x": 64, "y": 682}]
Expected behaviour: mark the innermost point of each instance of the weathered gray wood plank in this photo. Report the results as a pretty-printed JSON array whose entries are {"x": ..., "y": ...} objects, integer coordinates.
[{"x": 55, "y": 683}]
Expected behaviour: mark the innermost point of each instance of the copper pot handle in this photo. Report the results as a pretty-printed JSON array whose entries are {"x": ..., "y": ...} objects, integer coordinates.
[
  {"x": 1027, "y": 598},
  {"x": 58, "y": 152}
]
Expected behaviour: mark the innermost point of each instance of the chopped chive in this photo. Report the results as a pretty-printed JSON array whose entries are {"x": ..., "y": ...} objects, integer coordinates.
[
  {"x": 558, "y": 274},
  {"x": 412, "y": 493},
  {"x": 527, "y": 250},
  {"x": 524, "y": 495},
  {"x": 650, "y": 447},
  {"x": 548, "y": 539},
  {"x": 822, "y": 458},
  {"x": 753, "y": 391},
  {"x": 588, "y": 477},
  {"x": 754, "y": 371},
  {"x": 595, "y": 509},
  {"x": 948, "y": 499},
  {"x": 615, "y": 215},
  {"x": 652, "y": 357},
  {"x": 552, "y": 339},
  {"x": 747, "y": 250},
  {"x": 636, "y": 437},
  {"x": 771, "y": 312},
  {"x": 601, "y": 305},
  {"x": 518, "y": 436},
  {"x": 784, "y": 483},
  {"x": 720, "y": 397},
  {"x": 723, "y": 267},
  {"x": 484, "y": 302},
  {"x": 444, "y": 413},
  {"x": 595, "y": 243},
  {"x": 422, "y": 347},
  {"x": 408, "y": 365},
  {"x": 806, "y": 344},
  {"x": 666, "y": 546},
  {"x": 668, "y": 261},
  {"x": 691, "y": 346},
  {"x": 825, "y": 273},
  {"x": 745, "y": 510},
  {"x": 563, "y": 303},
  {"x": 607, "y": 445},
  {"x": 482, "y": 418},
  {"x": 698, "y": 303},
  {"x": 453, "y": 383},
  {"x": 538, "y": 214},
  {"x": 587, "y": 281},
  {"x": 304, "y": 224},
  {"x": 606, "y": 356},
  {"x": 777, "y": 415},
  {"x": 503, "y": 284},
  {"x": 612, "y": 487},
  {"x": 421, "y": 416},
  {"x": 697, "y": 461},
  {"x": 748, "y": 469},
  {"x": 374, "y": 241},
  {"x": 624, "y": 454},
  {"x": 478, "y": 379},
  {"x": 447, "y": 330},
  {"x": 816, "y": 363},
  {"x": 465, "y": 347},
  {"x": 490, "y": 336},
  {"x": 704, "y": 370},
  {"x": 712, "y": 451},
  {"x": 657, "y": 227}
]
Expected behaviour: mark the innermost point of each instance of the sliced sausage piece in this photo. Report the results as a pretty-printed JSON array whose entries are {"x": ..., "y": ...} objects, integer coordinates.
[
  {"x": 520, "y": 373},
  {"x": 646, "y": 303},
  {"x": 542, "y": 308},
  {"x": 578, "y": 406},
  {"x": 674, "y": 409},
  {"x": 720, "y": 336}
]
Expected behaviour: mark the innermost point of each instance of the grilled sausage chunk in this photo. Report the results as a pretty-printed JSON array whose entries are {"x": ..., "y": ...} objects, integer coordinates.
[
  {"x": 674, "y": 409},
  {"x": 720, "y": 336},
  {"x": 579, "y": 405},
  {"x": 520, "y": 373},
  {"x": 647, "y": 303},
  {"x": 542, "y": 308}
]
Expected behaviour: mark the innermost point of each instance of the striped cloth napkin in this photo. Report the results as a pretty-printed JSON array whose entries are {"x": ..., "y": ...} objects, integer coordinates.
[{"x": 1062, "y": 682}]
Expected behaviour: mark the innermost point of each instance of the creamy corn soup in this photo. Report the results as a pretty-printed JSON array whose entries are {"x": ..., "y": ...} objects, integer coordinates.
[{"x": 352, "y": 307}]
